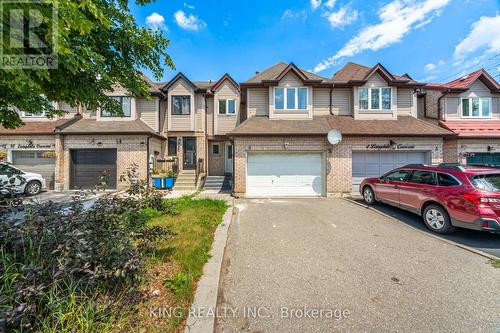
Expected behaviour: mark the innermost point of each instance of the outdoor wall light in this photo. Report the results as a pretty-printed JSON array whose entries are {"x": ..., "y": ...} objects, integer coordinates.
[{"x": 491, "y": 148}]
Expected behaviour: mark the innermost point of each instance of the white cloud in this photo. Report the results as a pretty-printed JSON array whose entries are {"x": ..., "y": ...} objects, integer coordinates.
[
  {"x": 432, "y": 67},
  {"x": 188, "y": 6},
  {"x": 156, "y": 22},
  {"x": 484, "y": 35},
  {"x": 330, "y": 4},
  {"x": 315, "y": 4},
  {"x": 344, "y": 16},
  {"x": 397, "y": 19},
  {"x": 188, "y": 22},
  {"x": 291, "y": 14}
]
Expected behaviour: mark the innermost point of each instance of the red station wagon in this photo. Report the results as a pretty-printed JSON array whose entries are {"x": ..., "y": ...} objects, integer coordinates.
[{"x": 446, "y": 196}]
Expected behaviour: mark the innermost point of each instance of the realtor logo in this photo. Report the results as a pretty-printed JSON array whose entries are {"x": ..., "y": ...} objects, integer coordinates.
[{"x": 28, "y": 34}]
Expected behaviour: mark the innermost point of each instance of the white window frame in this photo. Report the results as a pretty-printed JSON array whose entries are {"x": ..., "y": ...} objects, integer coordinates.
[
  {"x": 470, "y": 116},
  {"x": 370, "y": 99},
  {"x": 30, "y": 115},
  {"x": 226, "y": 101},
  {"x": 285, "y": 98}
]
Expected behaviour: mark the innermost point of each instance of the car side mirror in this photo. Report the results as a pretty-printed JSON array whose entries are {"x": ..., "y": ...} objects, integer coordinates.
[{"x": 382, "y": 179}]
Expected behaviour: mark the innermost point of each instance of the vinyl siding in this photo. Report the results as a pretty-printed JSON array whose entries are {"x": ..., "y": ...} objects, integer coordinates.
[
  {"x": 147, "y": 110},
  {"x": 200, "y": 109},
  {"x": 258, "y": 102},
  {"x": 404, "y": 102},
  {"x": 290, "y": 80},
  {"x": 181, "y": 122},
  {"x": 341, "y": 102},
  {"x": 452, "y": 103},
  {"x": 226, "y": 123},
  {"x": 210, "y": 116},
  {"x": 376, "y": 81},
  {"x": 321, "y": 101}
]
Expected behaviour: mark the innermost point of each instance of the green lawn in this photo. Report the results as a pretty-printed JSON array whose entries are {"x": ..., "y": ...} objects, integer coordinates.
[
  {"x": 178, "y": 262},
  {"x": 496, "y": 263}
]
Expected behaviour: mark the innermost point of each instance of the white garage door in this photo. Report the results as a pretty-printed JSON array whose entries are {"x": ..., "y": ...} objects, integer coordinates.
[
  {"x": 375, "y": 164},
  {"x": 37, "y": 162},
  {"x": 286, "y": 174}
]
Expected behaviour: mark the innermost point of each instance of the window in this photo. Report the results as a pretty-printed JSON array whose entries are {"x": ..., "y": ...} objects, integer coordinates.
[
  {"x": 215, "y": 149},
  {"x": 375, "y": 98},
  {"x": 476, "y": 107},
  {"x": 32, "y": 115},
  {"x": 422, "y": 177},
  {"x": 489, "y": 182},
  {"x": 397, "y": 176},
  {"x": 290, "y": 98},
  {"x": 227, "y": 106},
  {"x": 172, "y": 146},
  {"x": 447, "y": 180},
  {"x": 8, "y": 171},
  {"x": 181, "y": 105},
  {"x": 126, "y": 107}
]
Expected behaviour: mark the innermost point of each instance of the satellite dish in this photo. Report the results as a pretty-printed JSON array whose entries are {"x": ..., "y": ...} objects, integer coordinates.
[{"x": 334, "y": 137}]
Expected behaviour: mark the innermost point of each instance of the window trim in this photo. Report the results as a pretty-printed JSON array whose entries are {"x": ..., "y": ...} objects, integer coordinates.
[
  {"x": 296, "y": 100},
  {"x": 380, "y": 109},
  {"x": 172, "y": 105},
  {"x": 480, "y": 108},
  {"x": 226, "y": 101},
  {"x": 218, "y": 149},
  {"x": 101, "y": 110}
]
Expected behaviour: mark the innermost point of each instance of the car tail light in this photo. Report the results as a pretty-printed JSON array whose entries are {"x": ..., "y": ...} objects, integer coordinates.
[{"x": 478, "y": 200}]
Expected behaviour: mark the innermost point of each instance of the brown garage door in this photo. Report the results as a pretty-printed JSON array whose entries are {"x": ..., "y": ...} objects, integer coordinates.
[
  {"x": 88, "y": 165},
  {"x": 36, "y": 161}
]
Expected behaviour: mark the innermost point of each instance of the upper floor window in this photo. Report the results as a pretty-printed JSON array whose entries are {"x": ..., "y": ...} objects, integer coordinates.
[
  {"x": 375, "y": 98},
  {"x": 227, "y": 106},
  {"x": 172, "y": 146},
  {"x": 181, "y": 105},
  {"x": 32, "y": 115},
  {"x": 126, "y": 107},
  {"x": 476, "y": 107},
  {"x": 290, "y": 98}
]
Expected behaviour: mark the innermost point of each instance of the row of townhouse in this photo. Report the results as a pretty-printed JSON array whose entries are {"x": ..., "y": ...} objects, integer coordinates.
[{"x": 268, "y": 135}]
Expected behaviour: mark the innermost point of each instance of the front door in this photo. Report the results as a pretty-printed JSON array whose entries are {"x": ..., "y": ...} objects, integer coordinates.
[
  {"x": 228, "y": 160},
  {"x": 189, "y": 146}
]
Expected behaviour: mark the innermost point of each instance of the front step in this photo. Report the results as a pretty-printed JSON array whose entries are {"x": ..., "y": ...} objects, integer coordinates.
[
  {"x": 218, "y": 183},
  {"x": 185, "y": 181}
]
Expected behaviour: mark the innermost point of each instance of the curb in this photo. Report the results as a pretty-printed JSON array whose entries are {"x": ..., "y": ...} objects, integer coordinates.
[
  {"x": 201, "y": 320},
  {"x": 450, "y": 242}
]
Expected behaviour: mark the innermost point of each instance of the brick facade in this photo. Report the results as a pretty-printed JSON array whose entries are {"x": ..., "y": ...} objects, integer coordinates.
[
  {"x": 457, "y": 150},
  {"x": 431, "y": 103},
  {"x": 337, "y": 159}
]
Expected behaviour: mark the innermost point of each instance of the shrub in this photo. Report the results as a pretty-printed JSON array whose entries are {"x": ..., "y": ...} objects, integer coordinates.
[{"x": 53, "y": 258}]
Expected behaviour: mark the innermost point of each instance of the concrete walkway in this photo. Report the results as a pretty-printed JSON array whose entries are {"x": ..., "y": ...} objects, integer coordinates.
[{"x": 327, "y": 265}]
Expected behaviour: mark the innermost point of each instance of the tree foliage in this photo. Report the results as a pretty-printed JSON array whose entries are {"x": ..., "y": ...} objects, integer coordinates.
[{"x": 99, "y": 45}]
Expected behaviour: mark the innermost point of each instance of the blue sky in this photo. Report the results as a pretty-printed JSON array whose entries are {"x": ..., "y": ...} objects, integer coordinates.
[{"x": 432, "y": 40}]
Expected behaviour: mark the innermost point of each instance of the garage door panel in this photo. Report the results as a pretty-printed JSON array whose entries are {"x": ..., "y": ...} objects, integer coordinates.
[
  {"x": 88, "y": 166},
  {"x": 375, "y": 164},
  {"x": 34, "y": 161},
  {"x": 284, "y": 174},
  {"x": 484, "y": 158}
]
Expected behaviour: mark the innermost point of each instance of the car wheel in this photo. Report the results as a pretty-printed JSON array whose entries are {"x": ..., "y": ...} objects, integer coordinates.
[
  {"x": 437, "y": 219},
  {"x": 33, "y": 187},
  {"x": 369, "y": 195}
]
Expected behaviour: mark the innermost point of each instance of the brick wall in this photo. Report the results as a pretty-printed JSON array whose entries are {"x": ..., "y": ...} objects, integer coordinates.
[
  {"x": 431, "y": 100},
  {"x": 338, "y": 159},
  {"x": 130, "y": 150}
]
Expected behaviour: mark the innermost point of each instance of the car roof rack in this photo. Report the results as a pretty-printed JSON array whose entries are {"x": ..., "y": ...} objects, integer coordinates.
[
  {"x": 452, "y": 166},
  {"x": 414, "y": 165}
]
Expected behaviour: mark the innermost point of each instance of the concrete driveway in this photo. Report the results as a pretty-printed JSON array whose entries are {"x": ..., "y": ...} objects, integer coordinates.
[
  {"x": 486, "y": 242},
  {"x": 318, "y": 265}
]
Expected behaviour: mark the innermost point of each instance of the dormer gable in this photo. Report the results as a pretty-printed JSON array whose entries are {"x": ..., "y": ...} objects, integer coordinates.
[
  {"x": 225, "y": 78},
  {"x": 182, "y": 77}
]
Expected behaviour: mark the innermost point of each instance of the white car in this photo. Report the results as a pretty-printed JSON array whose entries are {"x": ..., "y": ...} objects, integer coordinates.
[{"x": 32, "y": 183}]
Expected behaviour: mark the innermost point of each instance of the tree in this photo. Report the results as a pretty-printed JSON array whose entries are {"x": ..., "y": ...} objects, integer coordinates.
[{"x": 98, "y": 45}]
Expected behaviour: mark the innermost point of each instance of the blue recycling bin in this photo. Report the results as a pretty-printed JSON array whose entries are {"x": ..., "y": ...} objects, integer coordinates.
[
  {"x": 157, "y": 182},
  {"x": 168, "y": 183}
]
